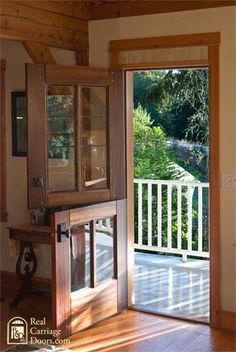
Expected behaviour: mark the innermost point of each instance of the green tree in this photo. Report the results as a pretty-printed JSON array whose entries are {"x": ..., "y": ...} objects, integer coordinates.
[{"x": 151, "y": 153}]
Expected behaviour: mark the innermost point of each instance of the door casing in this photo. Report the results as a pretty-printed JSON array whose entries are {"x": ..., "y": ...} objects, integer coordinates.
[{"x": 212, "y": 41}]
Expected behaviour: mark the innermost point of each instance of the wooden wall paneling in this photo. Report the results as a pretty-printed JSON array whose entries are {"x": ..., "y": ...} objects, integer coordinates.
[
  {"x": 117, "y": 142},
  {"x": 39, "y": 53},
  {"x": 17, "y": 29},
  {"x": 61, "y": 305},
  {"x": 37, "y": 130},
  {"x": 122, "y": 255},
  {"x": 118, "y": 9},
  {"x": 3, "y": 166},
  {"x": 78, "y": 10},
  {"x": 12, "y": 9},
  {"x": 214, "y": 176}
]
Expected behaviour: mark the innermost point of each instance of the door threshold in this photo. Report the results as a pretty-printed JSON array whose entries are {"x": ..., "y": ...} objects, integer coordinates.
[{"x": 139, "y": 308}]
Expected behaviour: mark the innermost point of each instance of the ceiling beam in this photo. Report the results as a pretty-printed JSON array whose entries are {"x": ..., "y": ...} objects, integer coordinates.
[
  {"x": 116, "y": 9},
  {"x": 39, "y": 53},
  {"x": 82, "y": 57}
]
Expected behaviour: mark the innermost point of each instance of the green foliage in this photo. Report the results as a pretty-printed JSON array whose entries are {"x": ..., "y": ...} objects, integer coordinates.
[
  {"x": 152, "y": 160},
  {"x": 177, "y": 101},
  {"x": 151, "y": 153}
]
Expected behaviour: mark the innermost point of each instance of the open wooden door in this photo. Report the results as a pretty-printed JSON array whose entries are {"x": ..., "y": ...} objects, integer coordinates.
[
  {"x": 85, "y": 266},
  {"x": 76, "y": 156}
]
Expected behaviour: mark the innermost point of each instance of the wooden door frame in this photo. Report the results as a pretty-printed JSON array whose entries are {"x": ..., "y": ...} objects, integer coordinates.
[{"x": 212, "y": 42}]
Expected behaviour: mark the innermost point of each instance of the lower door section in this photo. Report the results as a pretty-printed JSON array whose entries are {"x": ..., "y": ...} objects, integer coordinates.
[{"x": 85, "y": 266}]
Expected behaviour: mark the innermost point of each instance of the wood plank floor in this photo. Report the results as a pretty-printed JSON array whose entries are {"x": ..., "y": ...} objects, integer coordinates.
[
  {"x": 141, "y": 332},
  {"x": 130, "y": 331}
]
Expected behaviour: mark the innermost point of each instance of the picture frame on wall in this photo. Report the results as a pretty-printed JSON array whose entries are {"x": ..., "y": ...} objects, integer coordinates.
[{"x": 19, "y": 130}]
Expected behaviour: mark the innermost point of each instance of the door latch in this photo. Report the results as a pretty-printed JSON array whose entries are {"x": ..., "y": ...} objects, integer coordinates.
[
  {"x": 38, "y": 181},
  {"x": 63, "y": 232}
]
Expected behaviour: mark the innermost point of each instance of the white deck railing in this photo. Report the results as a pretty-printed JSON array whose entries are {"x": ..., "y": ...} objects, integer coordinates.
[{"x": 171, "y": 217}]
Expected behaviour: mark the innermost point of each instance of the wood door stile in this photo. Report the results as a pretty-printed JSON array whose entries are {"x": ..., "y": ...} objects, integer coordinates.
[
  {"x": 117, "y": 135},
  {"x": 61, "y": 314},
  {"x": 37, "y": 146},
  {"x": 93, "y": 267}
]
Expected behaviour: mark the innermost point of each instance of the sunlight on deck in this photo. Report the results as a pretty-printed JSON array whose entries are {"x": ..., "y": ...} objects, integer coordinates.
[{"x": 165, "y": 284}]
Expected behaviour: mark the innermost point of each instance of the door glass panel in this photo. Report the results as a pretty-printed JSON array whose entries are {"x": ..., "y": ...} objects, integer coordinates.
[
  {"x": 61, "y": 138},
  {"x": 94, "y": 137},
  {"x": 80, "y": 257},
  {"x": 104, "y": 249}
]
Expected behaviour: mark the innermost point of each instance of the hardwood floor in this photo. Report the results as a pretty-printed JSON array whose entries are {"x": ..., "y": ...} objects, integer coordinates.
[
  {"x": 140, "y": 332},
  {"x": 130, "y": 331}
]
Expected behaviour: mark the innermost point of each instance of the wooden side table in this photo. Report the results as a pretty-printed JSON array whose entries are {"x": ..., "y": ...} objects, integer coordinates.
[{"x": 27, "y": 234}]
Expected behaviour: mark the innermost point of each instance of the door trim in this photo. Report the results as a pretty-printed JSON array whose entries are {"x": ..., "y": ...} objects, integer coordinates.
[{"x": 212, "y": 41}]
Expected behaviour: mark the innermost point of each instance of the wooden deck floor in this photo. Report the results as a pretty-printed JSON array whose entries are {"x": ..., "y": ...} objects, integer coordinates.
[{"x": 166, "y": 285}]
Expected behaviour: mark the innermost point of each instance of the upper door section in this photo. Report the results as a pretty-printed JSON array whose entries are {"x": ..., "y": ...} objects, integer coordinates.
[{"x": 72, "y": 135}]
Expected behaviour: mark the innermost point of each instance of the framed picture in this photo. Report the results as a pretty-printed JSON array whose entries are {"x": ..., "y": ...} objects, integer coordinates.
[{"x": 19, "y": 134}]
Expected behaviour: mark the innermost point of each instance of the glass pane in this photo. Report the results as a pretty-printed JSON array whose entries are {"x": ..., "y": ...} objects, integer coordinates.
[
  {"x": 104, "y": 249},
  {"x": 80, "y": 257},
  {"x": 94, "y": 137},
  {"x": 61, "y": 138}
]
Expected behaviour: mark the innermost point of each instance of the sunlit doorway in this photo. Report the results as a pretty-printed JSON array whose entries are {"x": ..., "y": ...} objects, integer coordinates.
[{"x": 171, "y": 192}]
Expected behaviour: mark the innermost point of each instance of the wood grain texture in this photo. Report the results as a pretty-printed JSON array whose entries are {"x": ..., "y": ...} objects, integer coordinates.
[
  {"x": 76, "y": 74},
  {"x": 116, "y": 9},
  {"x": 37, "y": 130},
  {"x": 61, "y": 308},
  {"x": 117, "y": 134},
  {"x": 174, "y": 41},
  {"x": 93, "y": 305},
  {"x": 214, "y": 178},
  {"x": 39, "y": 53},
  {"x": 76, "y": 9},
  {"x": 98, "y": 211},
  {"x": 93, "y": 269},
  {"x": 31, "y": 233},
  {"x": 140, "y": 332},
  {"x": 46, "y": 22},
  {"x": 38, "y": 15},
  {"x": 82, "y": 57},
  {"x": 3, "y": 162},
  {"x": 85, "y": 197}
]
